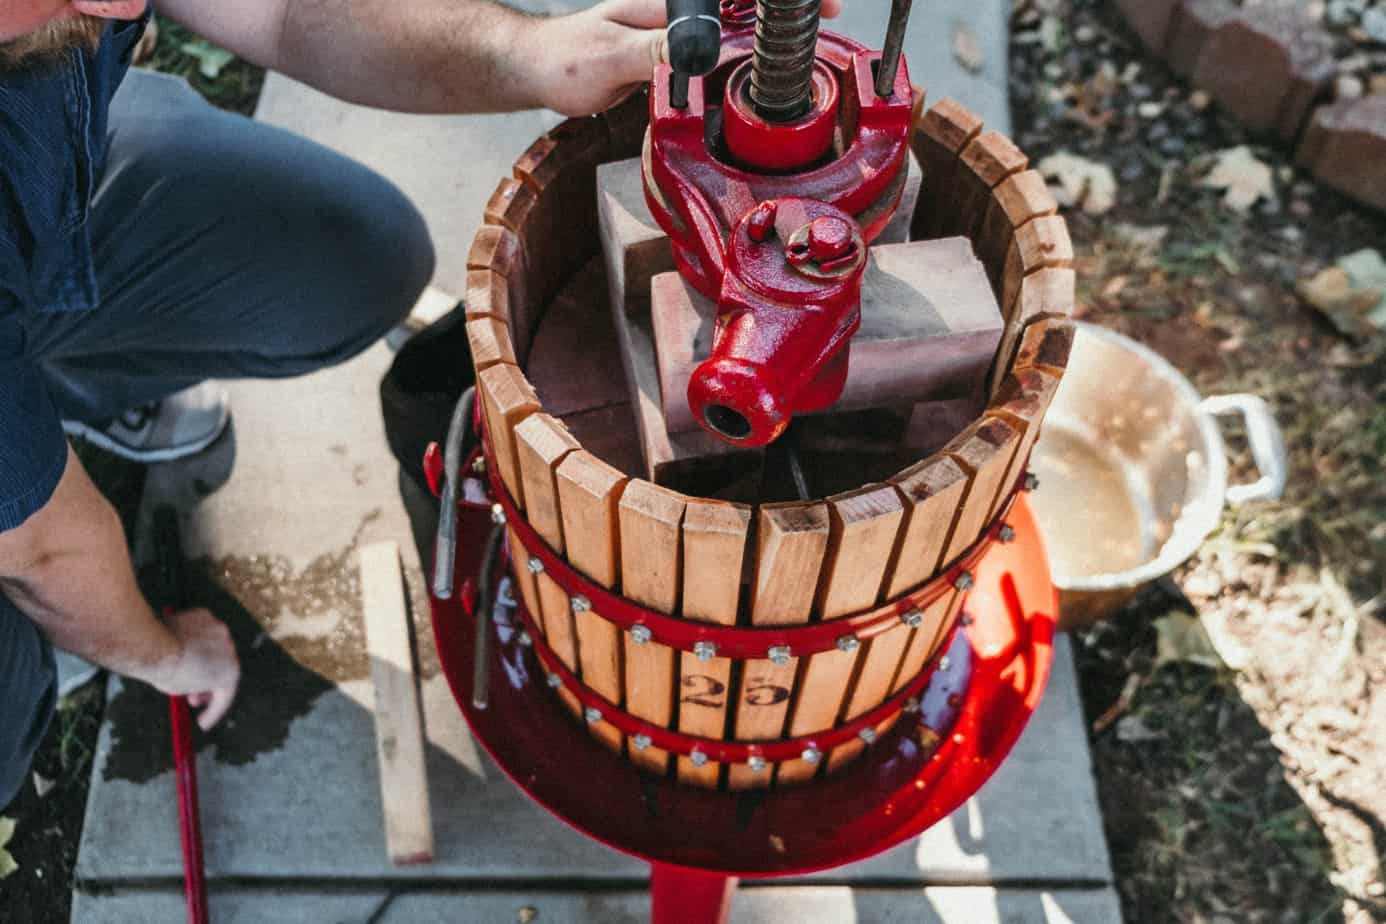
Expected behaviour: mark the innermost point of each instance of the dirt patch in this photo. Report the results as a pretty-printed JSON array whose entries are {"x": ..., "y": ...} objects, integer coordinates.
[{"x": 1251, "y": 792}]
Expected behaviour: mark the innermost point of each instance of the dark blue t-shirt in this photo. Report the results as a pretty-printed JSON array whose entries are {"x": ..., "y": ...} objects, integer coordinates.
[{"x": 52, "y": 152}]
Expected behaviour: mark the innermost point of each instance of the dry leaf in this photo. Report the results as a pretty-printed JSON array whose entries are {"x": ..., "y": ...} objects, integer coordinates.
[
  {"x": 43, "y": 785},
  {"x": 1080, "y": 182},
  {"x": 7, "y": 862},
  {"x": 1132, "y": 728},
  {"x": 966, "y": 48},
  {"x": 1243, "y": 178},
  {"x": 1181, "y": 637}
]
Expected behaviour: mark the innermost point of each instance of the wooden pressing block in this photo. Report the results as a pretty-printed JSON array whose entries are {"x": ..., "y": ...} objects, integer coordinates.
[
  {"x": 929, "y": 330},
  {"x": 399, "y": 732},
  {"x": 637, "y": 249}
]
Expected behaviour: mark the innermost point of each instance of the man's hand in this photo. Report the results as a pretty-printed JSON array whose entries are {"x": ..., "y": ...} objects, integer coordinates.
[
  {"x": 591, "y": 60},
  {"x": 205, "y": 668},
  {"x": 68, "y": 570}
]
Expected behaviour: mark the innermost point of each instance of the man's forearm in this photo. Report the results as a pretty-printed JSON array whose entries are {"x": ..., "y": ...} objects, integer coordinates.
[
  {"x": 74, "y": 580},
  {"x": 420, "y": 56}
]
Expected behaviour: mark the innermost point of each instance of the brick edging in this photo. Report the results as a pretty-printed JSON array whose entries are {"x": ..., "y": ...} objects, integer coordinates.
[{"x": 1272, "y": 68}]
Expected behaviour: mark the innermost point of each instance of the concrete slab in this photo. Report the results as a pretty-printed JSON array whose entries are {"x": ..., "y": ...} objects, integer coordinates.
[
  {"x": 752, "y": 905},
  {"x": 449, "y": 165},
  {"x": 231, "y": 906}
]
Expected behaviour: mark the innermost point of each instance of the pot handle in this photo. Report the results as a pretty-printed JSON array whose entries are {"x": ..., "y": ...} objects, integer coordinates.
[{"x": 1267, "y": 445}]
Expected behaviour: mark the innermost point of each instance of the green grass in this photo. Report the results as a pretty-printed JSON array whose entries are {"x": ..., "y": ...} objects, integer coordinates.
[{"x": 225, "y": 80}]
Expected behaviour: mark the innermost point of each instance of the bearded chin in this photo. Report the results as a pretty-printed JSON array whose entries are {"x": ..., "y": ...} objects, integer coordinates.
[{"x": 51, "y": 42}]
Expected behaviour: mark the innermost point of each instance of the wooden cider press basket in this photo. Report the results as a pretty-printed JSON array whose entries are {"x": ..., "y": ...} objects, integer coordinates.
[{"x": 757, "y": 391}]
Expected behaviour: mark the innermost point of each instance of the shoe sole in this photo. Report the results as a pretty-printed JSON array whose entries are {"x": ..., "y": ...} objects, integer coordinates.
[{"x": 172, "y": 453}]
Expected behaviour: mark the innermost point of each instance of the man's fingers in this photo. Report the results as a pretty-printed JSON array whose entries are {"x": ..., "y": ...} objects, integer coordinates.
[
  {"x": 658, "y": 41},
  {"x": 638, "y": 14},
  {"x": 198, "y": 700},
  {"x": 217, "y": 706},
  {"x": 831, "y": 9}
]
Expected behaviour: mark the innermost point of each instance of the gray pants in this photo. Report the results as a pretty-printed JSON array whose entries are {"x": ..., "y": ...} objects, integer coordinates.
[{"x": 224, "y": 249}]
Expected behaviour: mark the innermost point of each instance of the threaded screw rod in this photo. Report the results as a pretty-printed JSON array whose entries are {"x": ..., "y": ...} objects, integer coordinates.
[{"x": 782, "y": 69}]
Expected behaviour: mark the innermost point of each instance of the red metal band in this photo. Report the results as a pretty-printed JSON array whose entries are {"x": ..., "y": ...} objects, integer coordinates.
[
  {"x": 736, "y": 752},
  {"x": 741, "y": 642}
]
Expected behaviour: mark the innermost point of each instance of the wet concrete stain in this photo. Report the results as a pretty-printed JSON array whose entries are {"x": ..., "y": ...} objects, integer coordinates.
[{"x": 298, "y": 635}]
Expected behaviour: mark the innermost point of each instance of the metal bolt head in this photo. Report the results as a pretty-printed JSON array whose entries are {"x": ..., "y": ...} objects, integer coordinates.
[
  {"x": 641, "y": 742},
  {"x": 1006, "y": 533},
  {"x": 756, "y": 763},
  {"x": 912, "y": 618},
  {"x": 592, "y": 715},
  {"x": 1031, "y": 481},
  {"x": 966, "y": 619},
  {"x": 497, "y": 515},
  {"x": 867, "y": 735},
  {"x": 964, "y": 581},
  {"x": 581, "y": 604},
  {"x": 535, "y": 566},
  {"x": 848, "y": 643},
  {"x": 479, "y": 465},
  {"x": 779, "y": 654},
  {"x": 555, "y": 681},
  {"x": 944, "y": 663},
  {"x": 698, "y": 758},
  {"x": 811, "y": 755},
  {"x": 640, "y": 634},
  {"x": 524, "y": 638},
  {"x": 705, "y": 650},
  {"x": 911, "y": 705}
]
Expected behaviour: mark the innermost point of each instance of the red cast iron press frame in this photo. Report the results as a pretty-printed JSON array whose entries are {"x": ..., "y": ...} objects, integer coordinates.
[
  {"x": 770, "y": 204},
  {"x": 975, "y": 701}
]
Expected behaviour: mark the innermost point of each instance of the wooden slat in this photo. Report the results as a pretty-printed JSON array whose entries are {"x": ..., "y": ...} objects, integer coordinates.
[
  {"x": 1048, "y": 293},
  {"x": 541, "y": 443},
  {"x": 1045, "y": 344},
  {"x": 1043, "y": 242},
  {"x": 399, "y": 731},
  {"x": 1015, "y": 202},
  {"x": 984, "y": 450},
  {"x": 985, "y": 162},
  {"x": 864, "y": 525},
  {"x": 524, "y": 580},
  {"x": 932, "y": 491},
  {"x": 792, "y": 540},
  {"x": 489, "y": 340},
  {"x": 943, "y": 131},
  {"x": 487, "y": 296},
  {"x": 650, "y": 518},
  {"x": 1021, "y": 401},
  {"x": 497, "y": 285},
  {"x": 714, "y": 549},
  {"x": 506, "y": 399},
  {"x": 588, "y": 492}
]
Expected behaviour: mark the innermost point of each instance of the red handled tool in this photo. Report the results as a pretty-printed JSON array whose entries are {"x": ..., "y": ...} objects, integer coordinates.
[{"x": 169, "y": 551}]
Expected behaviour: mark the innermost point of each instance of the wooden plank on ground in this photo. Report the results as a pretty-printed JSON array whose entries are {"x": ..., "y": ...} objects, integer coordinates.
[
  {"x": 714, "y": 550},
  {"x": 864, "y": 526},
  {"x": 588, "y": 492},
  {"x": 650, "y": 518},
  {"x": 792, "y": 540},
  {"x": 399, "y": 731},
  {"x": 541, "y": 443}
]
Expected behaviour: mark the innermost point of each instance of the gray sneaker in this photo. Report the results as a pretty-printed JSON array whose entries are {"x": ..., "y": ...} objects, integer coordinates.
[{"x": 182, "y": 424}]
